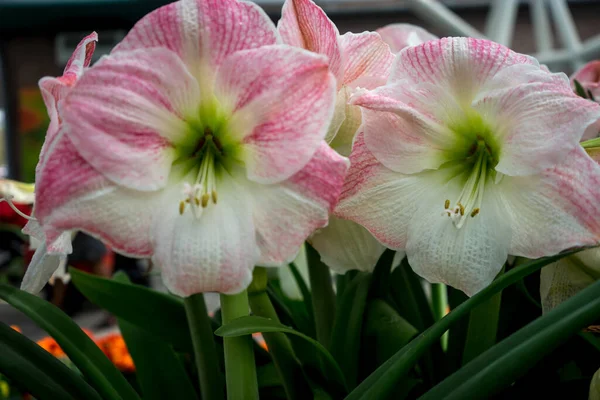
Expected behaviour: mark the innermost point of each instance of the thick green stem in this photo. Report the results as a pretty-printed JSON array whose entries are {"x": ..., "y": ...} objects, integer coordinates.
[
  {"x": 280, "y": 348},
  {"x": 240, "y": 370},
  {"x": 439, "y": 302},
  {"x": 323, "y": 297},
  {"x": 483, "y": 326},
  {"x": 205, "y": 351}
]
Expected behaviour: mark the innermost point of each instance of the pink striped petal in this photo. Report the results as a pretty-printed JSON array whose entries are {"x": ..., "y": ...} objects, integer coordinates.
[
  {"x": 282, "y": 99},
  {"x": 367, "y": 60},
  {"x": 125, "y": 113},
  {"x": 399, "y": 36},
  {"x": 55, "y": 89},
  {"x": 286, "y": 214},
  {"x": 202, "y": 31},
  {"x": 214, "y": 253},
  {"x": 461, "y": 65},
  {"x": 71, "y": 194},
  {"x": 562, "y": 202},
  {"x": 533, "y": 121},
  {"x": 304, "y": 24}
]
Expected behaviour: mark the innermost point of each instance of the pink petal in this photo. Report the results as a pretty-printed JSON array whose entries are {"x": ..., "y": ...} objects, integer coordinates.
[
  {"x": 304, "y": 24},
  {"x": 286, "y": 214},
  {"x": 461, "y": 65},
  {"x": 555, "y": 210},
  {"x": 125, "y": 113},
  {"x": 404, "y": 128},
  {"x": 71, "y": 194},
  {"x": 367, "y": 59},
  {"x": 537, "y": 123},
  {"x": 399, "y": 36},
  {"x": 589, "y": 77},
  {"x": 213, "y": 253},
  {"x": 202, "y": 31},
  {"x": 55, "y": 89},
  {"x": 283, "y": 100}
]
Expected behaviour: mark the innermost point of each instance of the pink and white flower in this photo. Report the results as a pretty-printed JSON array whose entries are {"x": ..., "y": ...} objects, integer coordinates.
[
  {"x": 357, "y": 60},
  {"x": 469, "y": 153},
  {"x": 51, "y": 254},
  {"x": 589, "y": 78},
  {"x": 399, "y": 36},
  {"x": 198, "y": 142}
]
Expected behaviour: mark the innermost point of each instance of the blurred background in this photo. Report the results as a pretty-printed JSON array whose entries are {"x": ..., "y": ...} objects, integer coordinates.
[{"x": 37, "y": 38}]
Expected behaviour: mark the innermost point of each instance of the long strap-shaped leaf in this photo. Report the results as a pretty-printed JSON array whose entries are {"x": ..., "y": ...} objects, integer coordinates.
[
  {"x": 36, "y": 370},
  {"x": 381, "y": 382},
  {"x": 498, "y": 367},
  {"x": 84, "y": 353},
  {"x": 138, "y": 305}
]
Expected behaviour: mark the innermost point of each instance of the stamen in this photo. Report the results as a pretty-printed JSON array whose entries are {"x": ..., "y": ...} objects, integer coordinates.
[
  {"x": 205, "y": 198},
  {"x": 214, "y": 196},
  {"x": 8, "y": 200},
  {"x": 447, "y": 204},
  {"x": 181, "y": 207},
  {"x": 475, "y": 212}
]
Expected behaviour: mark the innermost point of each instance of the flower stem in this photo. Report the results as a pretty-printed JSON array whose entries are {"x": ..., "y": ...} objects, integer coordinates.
[
  {"x": 323, "y": 297},
  {"x": 205, "y": 352},
  {"x": 240, "y": 370},
  {"x": 439, "y": 301},
  {"x": 280, "y": 348}
]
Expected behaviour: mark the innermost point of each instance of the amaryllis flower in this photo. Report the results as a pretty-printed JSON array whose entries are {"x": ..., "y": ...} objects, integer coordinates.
[
  {"x": 469, "y": 153},
  {"x": 589, "y": 78},
  {"x": 198, "y": 142},
  {"x": 51, "y": 254},
  {"x": 357, "y": 60},
  {"x": 399, "y": 36}
]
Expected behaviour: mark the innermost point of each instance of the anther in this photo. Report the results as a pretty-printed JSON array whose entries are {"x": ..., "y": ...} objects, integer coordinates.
[
  {"x": 181, "y": 207},
  {"x": 462, "y": 209},
  {"x": 475, "y": 212},
  {"x": 447, "y": 204},
  {"x": 205, "y": 198},
  {"x": 197, "y": 201},
  {"x": 214, "y": 196}
]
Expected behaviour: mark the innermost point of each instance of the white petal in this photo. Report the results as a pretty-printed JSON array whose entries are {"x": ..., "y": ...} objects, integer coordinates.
[{"x": 40, "y": 269}]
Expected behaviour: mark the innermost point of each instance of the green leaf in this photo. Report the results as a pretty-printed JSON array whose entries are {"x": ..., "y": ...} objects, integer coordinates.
[
  {"x": 157, "y": 313},
  {"x": 306, "y": 296},
  {"x": 82, "y": 351},
  {"x": 579, "y": 89},
  {"x": 36, "y": 370},
  {"x": 252, "y": 324},
  {"x": 380, "y": 383},
  {"x": 267, "y": 376},
  {"x": 347, "y": 327},
  {"x": 151, "y": 354},
  {"x": 323, "y": 297},
  {"x": 501, "y": 365},
  {"x": 380, "y": 282}
]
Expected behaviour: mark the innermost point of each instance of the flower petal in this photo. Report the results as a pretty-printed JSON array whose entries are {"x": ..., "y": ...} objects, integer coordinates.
[
  {"x": 71, "y": 194},
  {"x": 367, "y": 60},
  {"x": 468, "y": 258},
  {"x": 282, "y": 100},
  {"x": 460, "y": 65},
  {"x": 124, "y": 114},
  {"x": 345, "y": 246},
  {"x": 286, "y": 214},
  {"x": 534, "y": 121},
  {"x": 202, "y": 32},
  {"x": 40, "y": 269},
  {"x": 381, "y": 200},
  {"x": 80, "y": 59},
  {"x": 555, "y": 210},
  {"x": 213, "y": 253},
  {"x": 400, "y": 135},
  {"x": 399, "y": 36},
  {"x": 304, "y": 24}
]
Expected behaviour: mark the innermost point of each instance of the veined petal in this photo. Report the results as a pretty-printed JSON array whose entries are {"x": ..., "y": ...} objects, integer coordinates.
[
  {"x": 213, "y": 253},
  {"x": 461, "y": 65},
  {"x": 80, "y": 59},
  {"x": 367, "y": 60},
  {"x": 124, "y": 114},
  {"x": 202, "y": 32},
  {"x": 381, "y": 200},
  {"x": 345, "y": 246},
  {"x": 399, "y": 36},
  {"x": 534, "y": 120},
  {"x": 287, "y": 213},
  {"x": 565, "y": 278},
  {"x": 555, "y": 210},
  {"x": 304, "y": 24},
  {"x": 468, "y": 258},
  {"x": 71, "y": 194},
  {"x": 282, "y": 100}
]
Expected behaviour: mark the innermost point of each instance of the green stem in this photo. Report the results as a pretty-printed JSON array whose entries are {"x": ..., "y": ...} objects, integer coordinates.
[
  {"x": 483, "y": 327},
  {"x": 323, "y": 297},
  {"x": 280, "y": 348},
  {"x": 591, "y": 143},
  {"x": 439, "y": 302},
  {"x": 240, "y": 370},
  {"x": 205, "y": 351}
]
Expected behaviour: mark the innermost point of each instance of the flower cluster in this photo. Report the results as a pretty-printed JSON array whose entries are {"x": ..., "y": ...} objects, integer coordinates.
[{"x": 211, "y": 141}]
